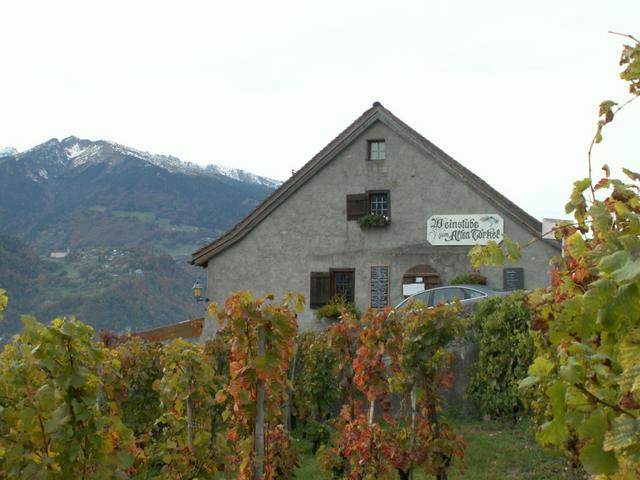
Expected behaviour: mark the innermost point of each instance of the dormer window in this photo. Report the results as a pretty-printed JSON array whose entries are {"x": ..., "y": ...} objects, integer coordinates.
[{"x": 376, "y": 150}]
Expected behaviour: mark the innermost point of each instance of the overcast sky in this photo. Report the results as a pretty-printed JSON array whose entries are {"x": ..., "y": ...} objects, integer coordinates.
[{"x": 508, "y": 88}]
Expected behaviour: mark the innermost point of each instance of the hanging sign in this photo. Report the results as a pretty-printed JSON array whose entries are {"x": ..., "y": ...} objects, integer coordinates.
[{"x": 475, "y": 229}]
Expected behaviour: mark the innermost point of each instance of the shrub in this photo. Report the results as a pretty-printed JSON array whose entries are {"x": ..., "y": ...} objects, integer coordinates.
[
  {"x": 373, "y": 220},
  {"x": 501, "y": 327},
  {"x": 314, "y": 391},
  {"x": 336, "y": 306},
  {"x": 469, "y": 279}
]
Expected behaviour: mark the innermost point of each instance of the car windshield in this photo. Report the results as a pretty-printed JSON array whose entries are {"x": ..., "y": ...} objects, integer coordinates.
[
  {"x": 418, "y": 297},
  {"x": 448, "y": 294},
  {"x": 480, "y": 288}
]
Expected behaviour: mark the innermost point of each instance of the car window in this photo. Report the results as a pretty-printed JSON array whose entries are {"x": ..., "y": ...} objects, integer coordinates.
[
  {"x": 471, "y": 293},
  {"x": 447, "y": 295},
  {"x": 422, "y": 297}
]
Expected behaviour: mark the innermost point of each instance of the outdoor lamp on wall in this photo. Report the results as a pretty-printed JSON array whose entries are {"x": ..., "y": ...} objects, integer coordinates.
[{"x": 197, "y": 293}]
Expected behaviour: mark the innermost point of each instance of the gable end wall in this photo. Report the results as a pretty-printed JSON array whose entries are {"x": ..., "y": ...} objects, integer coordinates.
[{"x": 309, "y": 231}]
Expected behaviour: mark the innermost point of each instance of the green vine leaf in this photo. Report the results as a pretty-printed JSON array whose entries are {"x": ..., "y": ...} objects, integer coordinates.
[
  {"x": 596, "y": 460},
  {"x": 541, "y": 367},
  {"x": 624, "y": 433},
  {"x": 631, "y": 174}
]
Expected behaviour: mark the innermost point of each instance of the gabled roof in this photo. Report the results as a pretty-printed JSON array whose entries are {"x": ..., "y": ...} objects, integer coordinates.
[
  {"x": 185, "y": 329},
  {"x": 376, "y": 113}
]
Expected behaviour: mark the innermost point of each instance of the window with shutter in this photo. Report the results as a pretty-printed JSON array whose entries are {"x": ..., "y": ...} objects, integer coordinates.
[
  {"x": 325, "y": 285},
  {"x": 357, "y": 206},
  {"x": 379, "y": 203},
  {"x": 320, "y": 291},
  {"x": 343, "y": 282}
]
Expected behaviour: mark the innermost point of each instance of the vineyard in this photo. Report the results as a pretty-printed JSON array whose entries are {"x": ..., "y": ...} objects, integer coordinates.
[
  {"x": 75, "y": 407},
  {"x": 367, "y": 393}
]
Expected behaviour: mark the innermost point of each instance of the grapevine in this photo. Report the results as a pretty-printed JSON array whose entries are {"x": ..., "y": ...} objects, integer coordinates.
[
  {"x": 52, "y": 421},
  {"x": 585, "y": 379},
  {"x": 262, "y": 340}
]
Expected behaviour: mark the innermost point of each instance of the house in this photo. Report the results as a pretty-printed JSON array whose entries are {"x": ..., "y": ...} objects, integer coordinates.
[
  {"x": 60, "y": 254},
  {"x": 424, "y": 211}
]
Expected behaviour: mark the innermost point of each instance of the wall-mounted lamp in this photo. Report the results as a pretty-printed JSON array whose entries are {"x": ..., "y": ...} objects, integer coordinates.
[{"x": 197, "y": 293}]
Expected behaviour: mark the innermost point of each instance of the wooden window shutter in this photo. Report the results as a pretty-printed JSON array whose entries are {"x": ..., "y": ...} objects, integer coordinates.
[
  {"x": 320, "y": 291},
  {"x": 357, "y": 205}
]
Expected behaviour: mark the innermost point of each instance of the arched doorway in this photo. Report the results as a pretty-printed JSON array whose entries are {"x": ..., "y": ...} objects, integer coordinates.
[{"x": 419, "y": 277}]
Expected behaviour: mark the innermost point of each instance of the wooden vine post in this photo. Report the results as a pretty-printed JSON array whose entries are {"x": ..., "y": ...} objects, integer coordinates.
[
  {"x": 190, "y": 431},
  {"x": 260, "y": 412},
  {"x": 292, "y": 379},
  {"x": 414, "y": 418}
]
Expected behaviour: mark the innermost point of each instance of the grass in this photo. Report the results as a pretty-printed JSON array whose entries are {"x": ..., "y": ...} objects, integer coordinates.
[{"x": 495, "y": 451}]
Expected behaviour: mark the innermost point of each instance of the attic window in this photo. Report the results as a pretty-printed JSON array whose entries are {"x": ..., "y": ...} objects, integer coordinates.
[{"x": 376, "y": 150}]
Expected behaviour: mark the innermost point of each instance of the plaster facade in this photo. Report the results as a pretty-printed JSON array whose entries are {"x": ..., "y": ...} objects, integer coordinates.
[{"x": 309, "y": 231}]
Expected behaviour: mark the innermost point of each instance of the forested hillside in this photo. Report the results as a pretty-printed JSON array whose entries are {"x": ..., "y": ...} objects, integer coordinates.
[
  {"x": 109, "y": 288},
  {"x": 124, "y": 222}
]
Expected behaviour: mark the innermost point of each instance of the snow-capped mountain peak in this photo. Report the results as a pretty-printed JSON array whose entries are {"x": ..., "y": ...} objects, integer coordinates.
[
  {"x": 6, "y": 151},
  {"x": 242, "y": 175},
  {"x": 73, "y": 152}
]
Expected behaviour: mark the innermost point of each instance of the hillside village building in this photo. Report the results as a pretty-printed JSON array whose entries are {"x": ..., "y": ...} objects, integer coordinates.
[{"x": 306, "y": 236}]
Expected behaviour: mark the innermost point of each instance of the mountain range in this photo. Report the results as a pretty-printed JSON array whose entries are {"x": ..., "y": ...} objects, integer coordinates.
[
  {"x": 75, "y": 193},
  {"x": 87, "y": 215}
]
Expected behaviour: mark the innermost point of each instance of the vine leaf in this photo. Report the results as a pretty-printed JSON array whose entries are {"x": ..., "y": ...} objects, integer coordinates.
[
  {"x": 596, "y": 460},
  {"x": 3, "y": 301},
  {"x": 541, "y": 367},
  {"x": 573, "y": 372},
  {"x": 592, "y": 455},
  {"x": 630, "y": 268},
  {"x": 632, "y": 175},
  {"x": 555, "y": 432},
  {"x": 606, "y": 110},
  {"x": 625, "y": 431}
]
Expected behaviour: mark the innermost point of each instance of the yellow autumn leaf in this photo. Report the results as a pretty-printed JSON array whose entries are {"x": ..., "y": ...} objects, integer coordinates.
[
  {"x": 220, "y": 397},
  {"x": 4, "y": 300}
]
